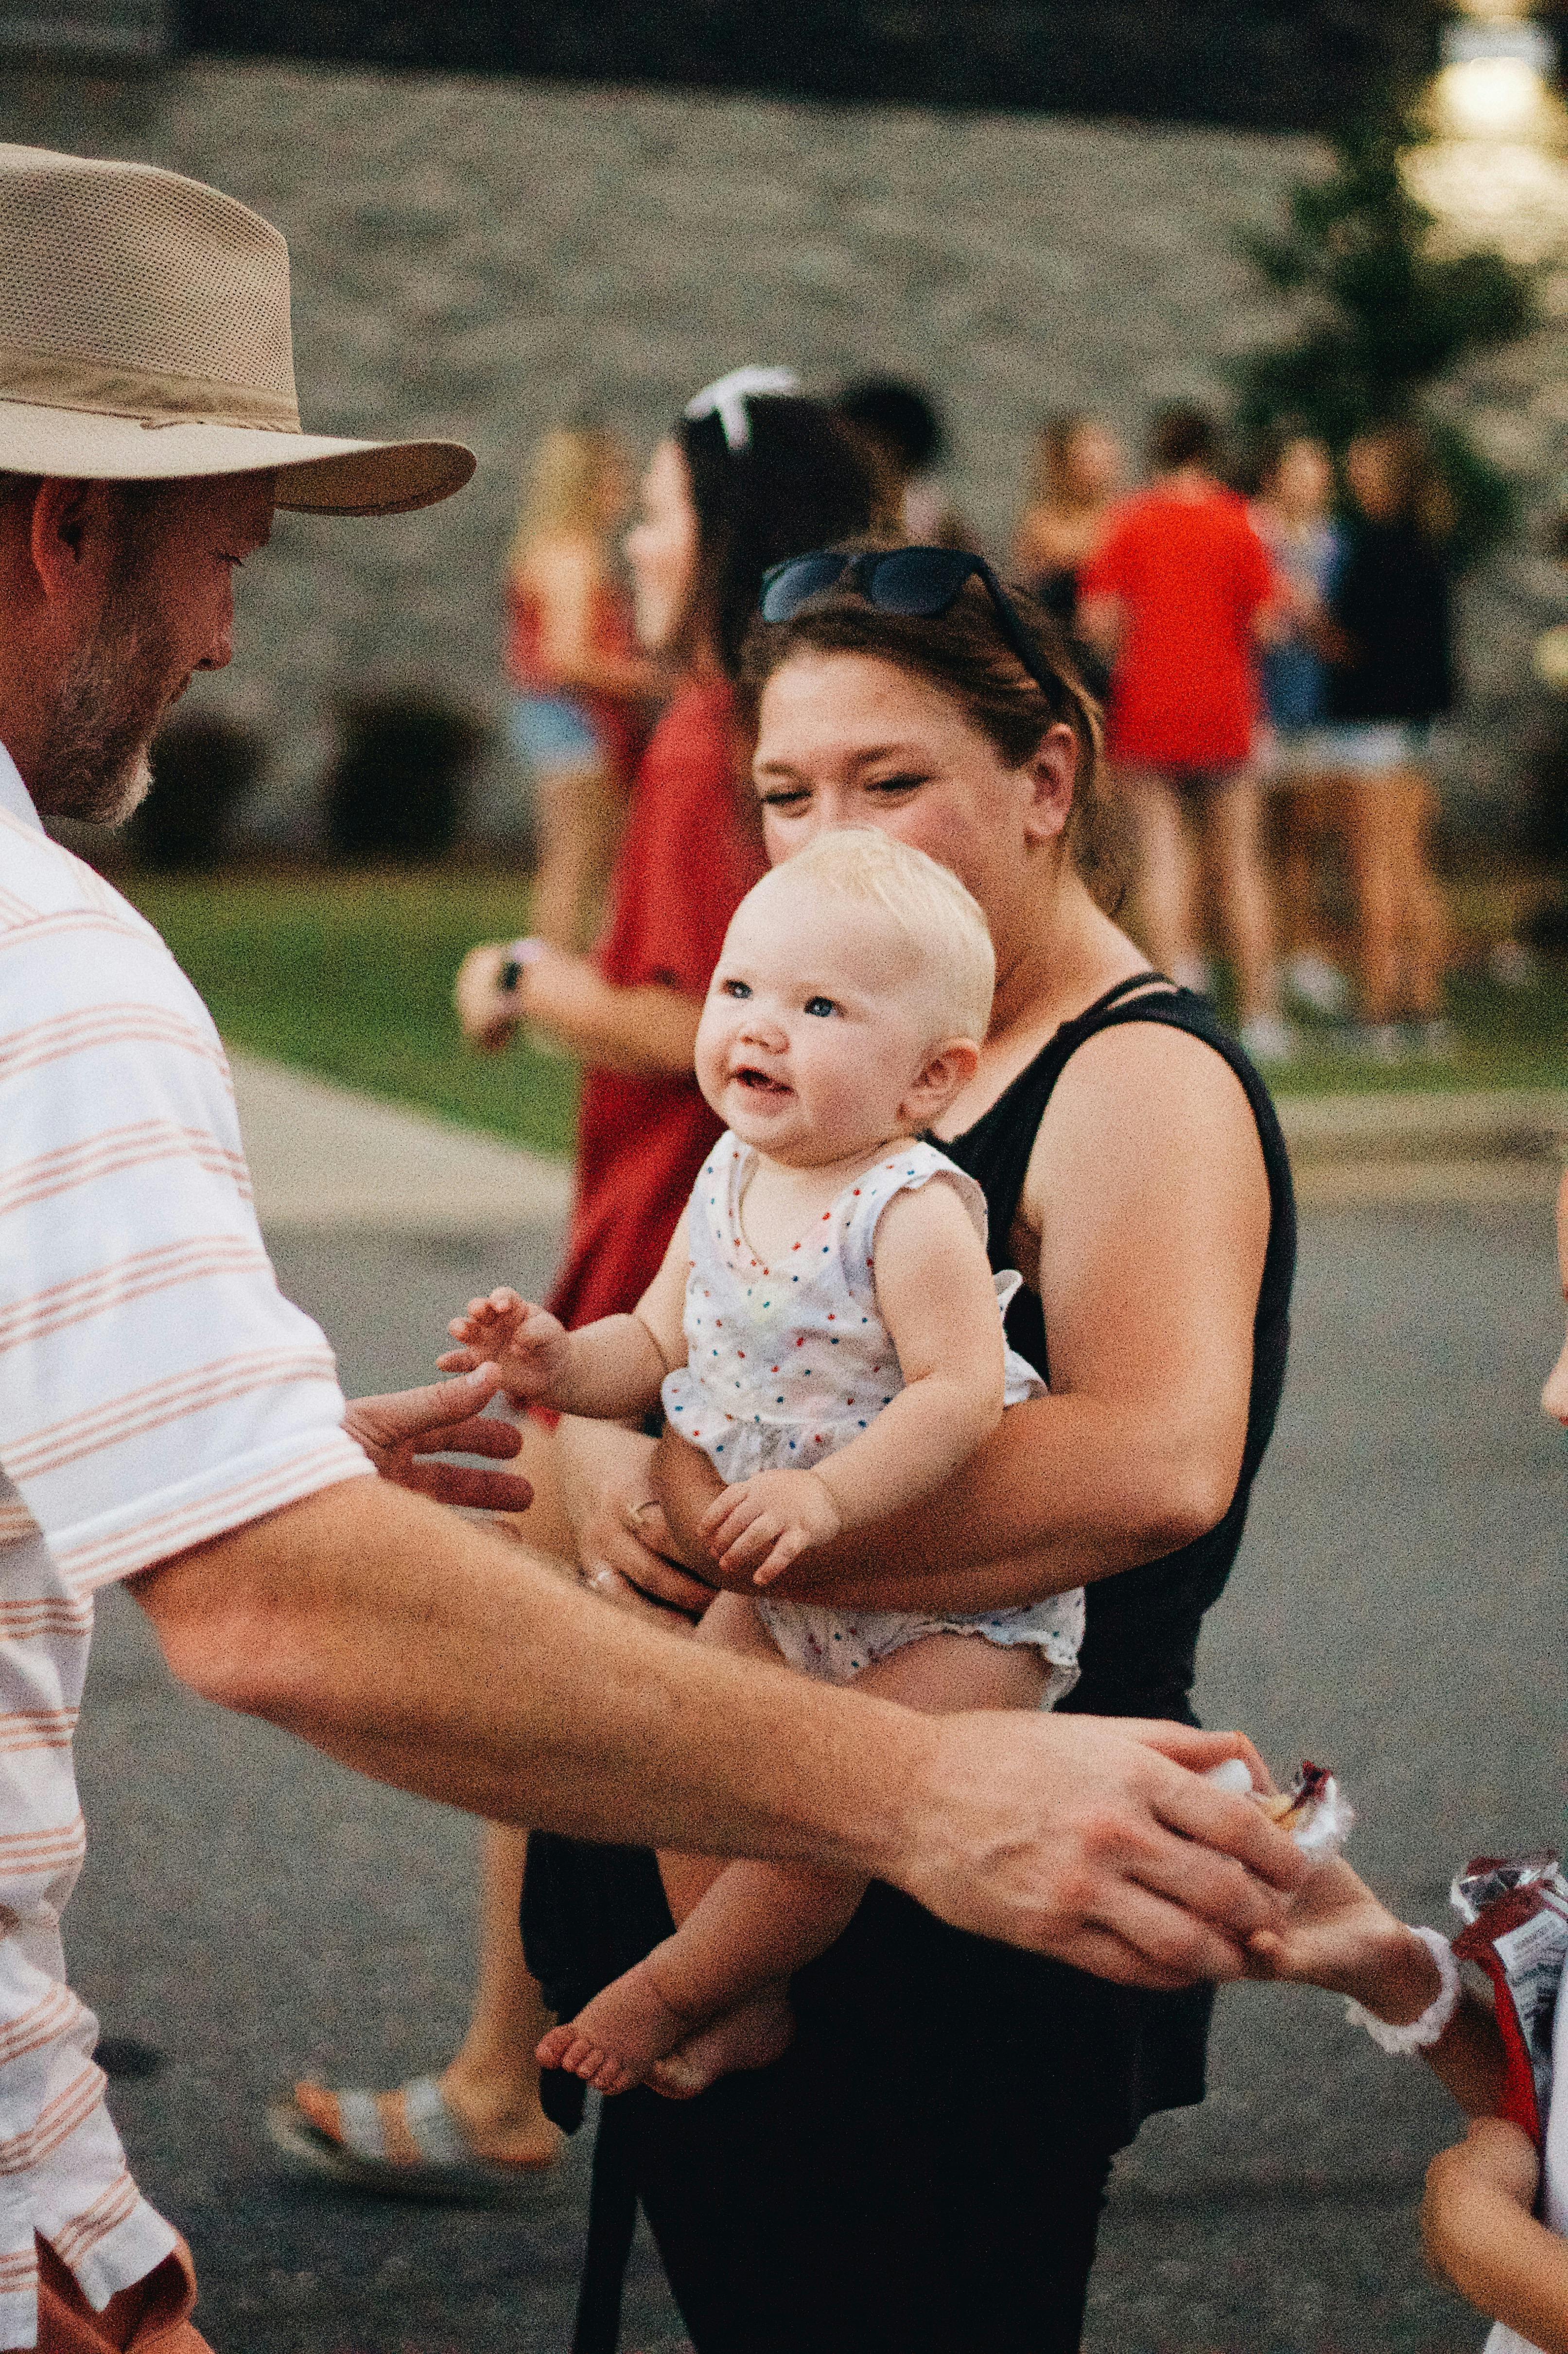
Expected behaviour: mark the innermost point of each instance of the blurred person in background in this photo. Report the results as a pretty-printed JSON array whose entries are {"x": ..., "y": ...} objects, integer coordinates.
[
  {"x": 1390, "y": 675},
  {"x": 905, "y": 429},
  {"x": 579, "y": 713},
  {"x": 745, "y": 478},
  {"x": 1075, "y": 475},
  {"x": 1176, "y": 596},
  {"x": 1292, "y": 512}
]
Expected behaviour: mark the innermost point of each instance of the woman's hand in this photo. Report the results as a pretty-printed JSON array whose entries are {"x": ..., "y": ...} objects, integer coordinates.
[
  {"x": 625, "y": 1550},
  {"x": 488, "y": 1014}
]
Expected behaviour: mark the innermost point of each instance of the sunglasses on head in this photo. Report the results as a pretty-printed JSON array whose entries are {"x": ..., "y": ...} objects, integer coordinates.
[{"x": 920, "y": 582}]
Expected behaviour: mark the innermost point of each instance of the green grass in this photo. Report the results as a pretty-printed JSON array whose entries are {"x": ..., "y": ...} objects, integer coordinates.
[{"x": 350, "y": 974}]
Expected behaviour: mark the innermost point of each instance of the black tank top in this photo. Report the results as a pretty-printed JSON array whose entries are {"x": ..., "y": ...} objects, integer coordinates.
[{"x": 1141, "y": 1639}]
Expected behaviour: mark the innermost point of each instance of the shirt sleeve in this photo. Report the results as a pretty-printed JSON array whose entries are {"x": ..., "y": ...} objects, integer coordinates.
[{"x": 155, "y": 1388}]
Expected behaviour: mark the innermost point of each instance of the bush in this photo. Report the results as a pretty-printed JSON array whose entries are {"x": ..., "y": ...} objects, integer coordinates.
[
  {"x": 394, "y": 790},
  {"x": 203, "y": 768}
]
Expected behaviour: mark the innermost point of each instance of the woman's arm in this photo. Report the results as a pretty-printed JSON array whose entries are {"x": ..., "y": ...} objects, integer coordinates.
[
  {"x": 1148, "y": 1192},
  {"x": 641, "y": 1033}
]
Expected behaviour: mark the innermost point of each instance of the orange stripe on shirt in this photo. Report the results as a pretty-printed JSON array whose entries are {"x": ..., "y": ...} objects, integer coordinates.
[
  {"x": 227, "y": 1507},
  {"x": 137, "y": 1275},
  {"x": 135, "y": 1412},
  {"x": 35, "y": 1047},
  {"x": 50, "y": 1174}
]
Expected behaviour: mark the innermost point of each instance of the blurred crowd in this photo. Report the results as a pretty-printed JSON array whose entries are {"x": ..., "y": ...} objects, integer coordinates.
[{"x": 1266, "y": 629}]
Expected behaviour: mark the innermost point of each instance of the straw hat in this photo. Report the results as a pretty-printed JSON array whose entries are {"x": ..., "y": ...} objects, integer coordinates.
[{"x": 145, "y": 337}]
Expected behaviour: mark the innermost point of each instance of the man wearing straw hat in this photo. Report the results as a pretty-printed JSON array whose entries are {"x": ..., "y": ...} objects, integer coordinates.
[{"x": 167, "y": 1419}]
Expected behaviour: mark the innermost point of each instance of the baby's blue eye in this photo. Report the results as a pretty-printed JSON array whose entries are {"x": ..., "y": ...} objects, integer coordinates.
[
  {"x": 736, "y": 988},
  {"x": 821, "y": 1006}
]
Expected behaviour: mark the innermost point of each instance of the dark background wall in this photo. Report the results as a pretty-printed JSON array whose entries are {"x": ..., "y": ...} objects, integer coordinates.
[{"x": 1267, "y": 65}]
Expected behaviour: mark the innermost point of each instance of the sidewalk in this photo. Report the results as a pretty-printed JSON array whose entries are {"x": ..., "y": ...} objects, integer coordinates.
[
  {"x": 1507, "y": 1145},
  {"x": 323, "y": 1158}
]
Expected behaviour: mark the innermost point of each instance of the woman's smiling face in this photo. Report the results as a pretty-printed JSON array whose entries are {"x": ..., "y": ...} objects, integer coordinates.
[{"x": 850, "y": 740}]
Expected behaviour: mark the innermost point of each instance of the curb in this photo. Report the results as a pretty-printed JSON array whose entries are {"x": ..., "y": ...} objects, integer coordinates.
[{"x": 1493, "y": 1146}]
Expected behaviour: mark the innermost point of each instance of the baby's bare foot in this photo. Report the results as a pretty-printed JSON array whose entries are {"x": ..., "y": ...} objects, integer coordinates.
[
  {"x": 753, "y": 2035},
  {"x": 618, "y": 2037}
]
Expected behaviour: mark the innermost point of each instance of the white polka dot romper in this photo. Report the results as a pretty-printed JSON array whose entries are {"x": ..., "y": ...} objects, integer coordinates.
[{"x": 785, "y": 1364}]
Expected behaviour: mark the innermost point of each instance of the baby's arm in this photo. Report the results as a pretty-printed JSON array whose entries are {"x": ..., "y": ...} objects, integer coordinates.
[
  {"x": 608, "y": 1371},
  {"x": 937, "y": 1298}
]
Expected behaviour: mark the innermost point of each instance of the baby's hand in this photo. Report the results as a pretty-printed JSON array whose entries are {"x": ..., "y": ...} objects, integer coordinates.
[
  {"x": 531, "y": 1346},
  {"x": 770, "y": 1520}
]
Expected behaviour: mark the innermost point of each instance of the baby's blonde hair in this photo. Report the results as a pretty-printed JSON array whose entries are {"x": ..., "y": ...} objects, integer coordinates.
[{"x": 940, "y": 919}]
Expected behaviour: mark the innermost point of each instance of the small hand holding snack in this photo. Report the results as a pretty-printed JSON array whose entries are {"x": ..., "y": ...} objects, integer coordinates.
[
  {"x": 531, "y": 1347},
  {"x": 771, "y": 1520}
]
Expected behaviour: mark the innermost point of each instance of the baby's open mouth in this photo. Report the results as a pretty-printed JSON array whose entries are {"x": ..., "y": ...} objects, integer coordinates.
[{"x": 759, "y": 1083}]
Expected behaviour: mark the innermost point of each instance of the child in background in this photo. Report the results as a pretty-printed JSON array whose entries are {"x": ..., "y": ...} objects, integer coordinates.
[
  {"x": 827, "y": 1327},
  {"x": 1479, "y": 2217}
]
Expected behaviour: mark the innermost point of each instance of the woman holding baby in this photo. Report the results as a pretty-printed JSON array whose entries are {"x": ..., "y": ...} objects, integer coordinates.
[{"x": 923, "y": 2167}]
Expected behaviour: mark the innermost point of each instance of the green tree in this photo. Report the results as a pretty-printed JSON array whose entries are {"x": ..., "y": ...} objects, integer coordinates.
[{"x": 1382, "y": 317}]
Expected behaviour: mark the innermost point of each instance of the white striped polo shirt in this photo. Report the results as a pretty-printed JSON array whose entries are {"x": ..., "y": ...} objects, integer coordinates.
[{"x": 155, "y": 1389}]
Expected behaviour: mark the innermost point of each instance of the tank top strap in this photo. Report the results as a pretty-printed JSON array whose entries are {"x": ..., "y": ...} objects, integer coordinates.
[{"x": 995, "y": 1150}]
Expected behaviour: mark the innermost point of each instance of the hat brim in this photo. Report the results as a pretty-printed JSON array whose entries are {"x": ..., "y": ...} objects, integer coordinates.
[{"x": 318, "y": 473}]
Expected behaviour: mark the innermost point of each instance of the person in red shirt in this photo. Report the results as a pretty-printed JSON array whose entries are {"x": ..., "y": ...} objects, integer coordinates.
[
  {"x": 584, "y": 694},
  {"x": 1177, "y": 595},
  {"x": 750, "y": 475}
]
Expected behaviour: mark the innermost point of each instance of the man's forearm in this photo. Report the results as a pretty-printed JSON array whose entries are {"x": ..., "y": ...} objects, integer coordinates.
[
  {"x": 429, "y": 1654},
  {"x": 421, "y": 1650}
]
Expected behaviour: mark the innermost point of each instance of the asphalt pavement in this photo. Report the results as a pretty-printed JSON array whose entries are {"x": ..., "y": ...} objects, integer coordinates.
[{"x": 250, "y": 1911}]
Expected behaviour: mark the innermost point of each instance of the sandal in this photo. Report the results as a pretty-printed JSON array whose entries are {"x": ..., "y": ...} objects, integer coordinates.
[{"x": 405, "y": 2144}]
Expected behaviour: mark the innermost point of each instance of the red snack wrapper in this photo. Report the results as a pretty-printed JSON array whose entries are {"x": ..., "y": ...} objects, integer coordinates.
[{"x": 1517, "y": 1935}]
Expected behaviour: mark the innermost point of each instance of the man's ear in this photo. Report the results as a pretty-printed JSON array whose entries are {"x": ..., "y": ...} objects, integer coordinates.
[
  {"x": 72, "y": 538},
  {"x": 946, "y": 1072},
  {"x": 1053, "y": 774}
]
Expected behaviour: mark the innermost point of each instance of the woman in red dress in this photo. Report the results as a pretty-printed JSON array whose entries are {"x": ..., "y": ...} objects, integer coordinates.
[
  {"x": 750, "y": 475},
  {"x": 580, "y": 713}
]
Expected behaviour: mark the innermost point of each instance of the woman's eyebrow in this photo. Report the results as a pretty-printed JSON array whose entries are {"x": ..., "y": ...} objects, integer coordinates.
[{"x": 876, "y": 753}]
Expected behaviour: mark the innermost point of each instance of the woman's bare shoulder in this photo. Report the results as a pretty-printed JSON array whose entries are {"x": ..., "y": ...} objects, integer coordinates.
[{"x": 1142, "y": 1104}]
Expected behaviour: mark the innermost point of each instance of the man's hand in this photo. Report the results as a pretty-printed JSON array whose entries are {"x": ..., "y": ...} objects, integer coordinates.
[
  {"x": 769, "y": 1521},
  {"x": 1096, "y": 1840},
  {"x": 401, "y": 1431},
  {"x": 531, "y": 1347}
]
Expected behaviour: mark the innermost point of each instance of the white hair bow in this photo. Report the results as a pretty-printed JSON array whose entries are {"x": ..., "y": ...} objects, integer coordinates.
[{"x": 727, "y": 396}]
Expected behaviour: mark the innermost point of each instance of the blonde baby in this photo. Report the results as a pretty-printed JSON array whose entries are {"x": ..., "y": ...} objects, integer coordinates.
[{"x": 827, "y": 1328}]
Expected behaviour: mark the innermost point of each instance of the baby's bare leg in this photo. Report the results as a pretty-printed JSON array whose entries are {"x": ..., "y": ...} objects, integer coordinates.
[
  {"x": 762, "y": 1915},
  {"x": 711, "y": 1998},
  {"x": 618, "y": 2038}
]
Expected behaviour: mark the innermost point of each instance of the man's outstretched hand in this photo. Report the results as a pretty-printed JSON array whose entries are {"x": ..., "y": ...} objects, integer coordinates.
[
  {"x": 401, "y": 1433},
  {"x": 1096, "y": 1839}
]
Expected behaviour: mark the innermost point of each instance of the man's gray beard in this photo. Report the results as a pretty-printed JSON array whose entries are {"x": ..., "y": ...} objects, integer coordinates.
[{"x": 94, "y": 765}]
